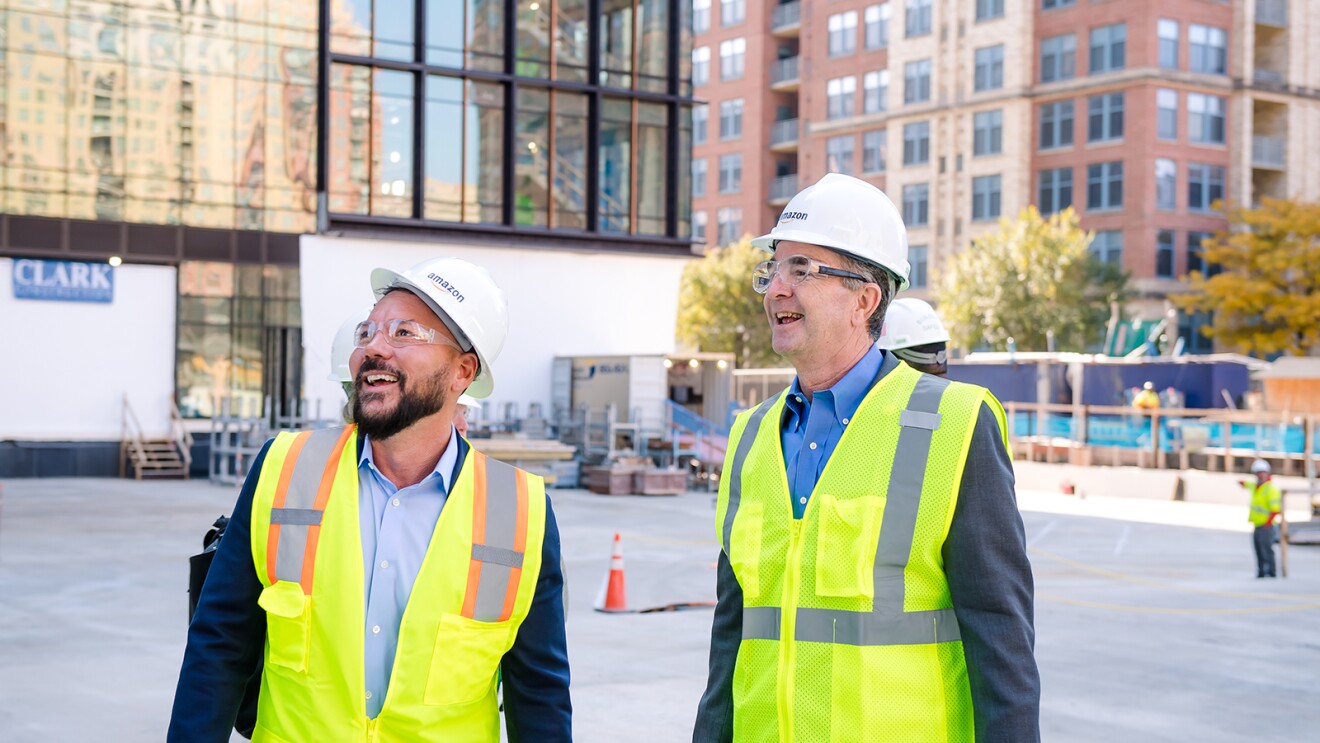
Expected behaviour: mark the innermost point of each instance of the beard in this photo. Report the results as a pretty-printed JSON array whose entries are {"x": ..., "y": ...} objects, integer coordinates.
[{"x": 427, "y": 398}]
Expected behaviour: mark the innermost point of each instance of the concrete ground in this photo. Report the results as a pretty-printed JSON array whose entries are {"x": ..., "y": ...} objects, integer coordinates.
[{"x": 1150, "y": 624}]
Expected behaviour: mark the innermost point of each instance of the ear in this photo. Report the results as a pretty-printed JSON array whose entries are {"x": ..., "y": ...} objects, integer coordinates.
[
  {"x": 868, "y": 299},
  {"x": 465, "y": 370}
]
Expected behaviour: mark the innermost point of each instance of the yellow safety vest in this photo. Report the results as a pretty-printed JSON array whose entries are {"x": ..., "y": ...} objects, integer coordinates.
[
  {"x": 848, "y": 630},
  {"x": 1265, "y": 500},
  {"x": 472, "y": 592}
]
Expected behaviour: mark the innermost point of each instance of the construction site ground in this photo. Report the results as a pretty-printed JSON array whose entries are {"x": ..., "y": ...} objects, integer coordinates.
[{"x": 1150, "y": 623}]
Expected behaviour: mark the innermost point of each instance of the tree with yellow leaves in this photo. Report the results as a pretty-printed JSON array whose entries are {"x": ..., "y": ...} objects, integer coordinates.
[
  {"x": 1264, "y": 289},
  {"x": 719, "y": 311}
]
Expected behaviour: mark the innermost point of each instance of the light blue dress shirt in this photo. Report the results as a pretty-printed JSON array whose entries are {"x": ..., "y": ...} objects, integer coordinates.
[
  {"x": 396, "y": 527},
  {"x": 810, "y": 429}
]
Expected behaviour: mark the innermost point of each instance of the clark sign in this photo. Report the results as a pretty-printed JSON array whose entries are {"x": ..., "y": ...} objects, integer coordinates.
[{"x": 64, "y": 281}]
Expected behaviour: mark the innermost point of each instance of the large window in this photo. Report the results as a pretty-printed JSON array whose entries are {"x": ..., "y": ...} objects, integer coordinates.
[
  {"x": 1104, "y": 117},
  {"x": 1205, "y": 186},
  {"x": 700, "y": 66},
  {"x": 699, "y": 227},
  {"x": 700, "y": 16},
  {"x": 1058, "y": 58},
  {"x": 732, "y": 12},
  {"x": 1056, "y": 124},
  {"x": 918, "y": 258},
  {"x": 1209, "y": 49},
  {"x": 1055, "y": 192},
  {"x": 989, "y": 68},
  {"x": 1168, "y": 34},
  {"x": 840, "y": 97},
  {"x": 700, "y": 116},
  {"x": 988, "y": 9},
  {"x": 1164, "y": 254},
  {"x": 1108, "y": 48},
  {"x": 1104, "y": 186},
  {"x": 875, "y": 91},
  {"x": 1166, "y": 107},
  {"x": 839, "y": 154},
  {"x": 877, "y": 26},
  {"x": 985, "y": 197},
  {"x": 987, "y": 132},
  {"x": 916, "y": 81},
  {"x": 842, "y": 33},
  {"x": 731, "y": 119},
  {"x": 1108, "y": 246},
  {"x": 916, "y": 202},
  {"x": 874, "y": 146},
  {"x": 728, "y": 225},
  {"x": 698, "y": 177},
  {"x": 1205, "y": 118},
  {"x": 1166, "y": 184},
  {"x": 730, "y": 173},
  {"x": 1195, "y": 251},
  {"x": 1052, "y": 4},
  {"x": 733, "y": 56},
  {"x": 916, "y": 143},
  {"x": 917, "y": 17}
]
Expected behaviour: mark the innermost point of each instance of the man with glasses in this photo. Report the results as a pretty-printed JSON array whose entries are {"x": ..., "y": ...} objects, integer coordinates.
[
  {"x": 873, "y": 583},
  {"x": 385, "y": 576}
]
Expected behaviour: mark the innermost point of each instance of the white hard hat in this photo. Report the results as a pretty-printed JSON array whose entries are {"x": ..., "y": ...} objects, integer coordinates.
[
  {"x": 1260, "y": 465},
  {"x": 468, "y": 401},
  {"x": 911, "y": 322},
  {"x": 467, "y": 301},
  {"x": 851, "y": 216},
  {"x": 342, "y": 347}
]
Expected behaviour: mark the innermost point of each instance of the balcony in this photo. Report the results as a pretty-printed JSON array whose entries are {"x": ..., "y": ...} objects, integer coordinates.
[
  {"x": 783, "y": 188},
  {"x": 1269, "y": 77},
  {"x": 786, "y": 20},
  {"x": 784, "y": 75},
  {"x": 1272, "y": 13},
  {"x": 784, "y": 135},
  {"x": 1268, "y": 152}
]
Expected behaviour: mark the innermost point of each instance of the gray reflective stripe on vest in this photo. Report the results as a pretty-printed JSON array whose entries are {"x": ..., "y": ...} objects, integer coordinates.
[
  {"x": 886, "y": 623},
  {"x": 301, "y": 500},
  {"x": 497, "y": 554},
  {"x": 761, "y": 622},
  {"x": 745, "y": 441}
]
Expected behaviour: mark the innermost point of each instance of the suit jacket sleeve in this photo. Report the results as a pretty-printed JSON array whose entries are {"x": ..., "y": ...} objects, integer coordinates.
[
  {"x": 990, "y": 581},
  {"x": 535, "y": 670},
  {"x": 227, "y": 635},
  {"x": 715, "y": 711}
]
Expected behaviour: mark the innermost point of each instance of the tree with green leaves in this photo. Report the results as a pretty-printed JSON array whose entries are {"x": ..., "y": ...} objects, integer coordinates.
[
  {"x": 1032, "y": 279},
  {"x": 718, "y": 310},
  {"x": 1264, "y": 284}
]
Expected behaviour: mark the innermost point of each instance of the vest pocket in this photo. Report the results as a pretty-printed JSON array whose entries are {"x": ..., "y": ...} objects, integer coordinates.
[
  {"x": 288, "y": 624},
  {"x": 467, "y": 654},
  {"x": 745, "y": 548},
  {"x": 849, "y": 533}
]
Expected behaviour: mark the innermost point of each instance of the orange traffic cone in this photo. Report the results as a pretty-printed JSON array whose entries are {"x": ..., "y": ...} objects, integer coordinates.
[{"x": 611, "y": 597}]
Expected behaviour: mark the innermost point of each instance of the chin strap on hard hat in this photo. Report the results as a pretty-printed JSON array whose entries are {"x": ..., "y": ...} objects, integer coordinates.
[{"x": 921, "y": 357}]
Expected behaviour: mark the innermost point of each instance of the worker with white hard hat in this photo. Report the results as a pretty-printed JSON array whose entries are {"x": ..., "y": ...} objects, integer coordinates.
[
  {"x": 333, "y": 528},
  {"x": 914, "y": 333},
  {"x": 1266, "y": 506},
  {"x": 873, "y": 559},
  {"x": 466, "y": 402}
]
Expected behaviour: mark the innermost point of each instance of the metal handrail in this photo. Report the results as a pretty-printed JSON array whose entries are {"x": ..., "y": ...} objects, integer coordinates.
[
  {"x": 784, "y": 70},
  {"x": 786, "y": 15},
  {"x": 784, "y": 131}
]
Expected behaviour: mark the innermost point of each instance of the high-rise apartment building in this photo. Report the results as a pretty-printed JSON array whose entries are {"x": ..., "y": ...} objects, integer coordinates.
[{"x": 1139, "y": 115}]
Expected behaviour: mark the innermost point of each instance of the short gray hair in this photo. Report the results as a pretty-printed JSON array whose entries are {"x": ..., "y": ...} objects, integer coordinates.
[{"x": 882, "y": 278}]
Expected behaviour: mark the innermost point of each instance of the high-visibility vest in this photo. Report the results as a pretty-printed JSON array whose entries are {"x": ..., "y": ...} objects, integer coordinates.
[
  {"x": 848, "y": 630},
  {"x": 1265, "y": 500},
  {"x": 474, "y": 589}
]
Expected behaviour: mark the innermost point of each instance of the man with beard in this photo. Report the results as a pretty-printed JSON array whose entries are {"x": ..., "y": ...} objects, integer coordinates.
[{"x": 384, "y": 575}]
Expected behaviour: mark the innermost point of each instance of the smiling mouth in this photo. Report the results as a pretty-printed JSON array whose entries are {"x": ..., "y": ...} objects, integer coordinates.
[
  {"x": 377, "y": 380},
  {"x": 784, "y": 318}
]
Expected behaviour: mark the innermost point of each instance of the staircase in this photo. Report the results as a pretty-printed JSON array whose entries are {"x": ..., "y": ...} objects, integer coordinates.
[{"x": 170, "y": 456}]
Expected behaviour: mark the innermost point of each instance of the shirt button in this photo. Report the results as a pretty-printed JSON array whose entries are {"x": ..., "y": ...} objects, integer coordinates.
[
  {"x": 845, "y": 421},
  {"x": 798, "y": 398},
  {"x": 368, "y": 695},
  {"x": 813, "y": 445},
  {"x": 395, "y": 502},
  {"x": 802, "y": 500},
  {"x": 375, "y": 630},
  {"x": 384, "y": 564}
]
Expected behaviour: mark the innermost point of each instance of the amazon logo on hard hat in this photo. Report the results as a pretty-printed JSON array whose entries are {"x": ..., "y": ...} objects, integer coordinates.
[
  {"x": 792, "y": 217},
  {"x": 440, "y": 282}
]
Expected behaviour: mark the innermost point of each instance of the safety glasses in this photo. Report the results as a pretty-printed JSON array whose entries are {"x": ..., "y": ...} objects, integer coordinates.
[
  {"x": 400, "y": 334},
  {"x": 794, "y": 270}
]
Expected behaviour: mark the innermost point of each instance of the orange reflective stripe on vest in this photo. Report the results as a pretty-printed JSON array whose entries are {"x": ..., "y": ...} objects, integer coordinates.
[
  {"x": 499, "y": 539},
  {"x": 300, "y": 499}
]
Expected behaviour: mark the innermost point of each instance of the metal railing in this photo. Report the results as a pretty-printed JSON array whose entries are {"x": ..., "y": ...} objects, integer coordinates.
[
  {"x": 1268, "y": 151},
  {"x": 783, "y": 187},
  {"x": 784, "y": 70},
  {"x": 1272, "y": 77},
  {"x": 1272, "y": 12},
  {"x": 787, "y": 15},
  {"x": 784, "y": 132}
]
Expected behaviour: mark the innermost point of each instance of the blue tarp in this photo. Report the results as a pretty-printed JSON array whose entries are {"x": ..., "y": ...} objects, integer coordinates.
[{"x": 1133, "y": 432}]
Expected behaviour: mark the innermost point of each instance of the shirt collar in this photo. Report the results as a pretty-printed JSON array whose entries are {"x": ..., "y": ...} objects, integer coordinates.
[
  {"x": 443, "y": 469},
  {"x": 846, "y": 394}
]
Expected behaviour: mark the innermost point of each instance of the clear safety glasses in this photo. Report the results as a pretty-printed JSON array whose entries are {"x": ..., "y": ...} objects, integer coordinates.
[
  {"x": 794, "y": 270},
  {"x": 400, "y": 334}
]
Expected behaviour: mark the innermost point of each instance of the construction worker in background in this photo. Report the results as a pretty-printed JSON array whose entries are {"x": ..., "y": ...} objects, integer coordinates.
[
  {"x": 290, "y": 584},
  {"x": 465, "y": 403},
  {"x": 1266, "y": 504},
  {"x": 1147, "y": 398},
  {"x": 915, "y": 334},
  {"x": 873, "y": 582}
]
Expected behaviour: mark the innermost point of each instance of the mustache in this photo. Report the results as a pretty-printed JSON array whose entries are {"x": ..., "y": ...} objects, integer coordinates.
[{"x": 371, "y": 364}]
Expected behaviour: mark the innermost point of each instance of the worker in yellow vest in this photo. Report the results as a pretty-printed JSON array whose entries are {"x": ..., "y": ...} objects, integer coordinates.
[
  {"x": 385, "y": 576},
  {"x": 1266, "y": 505},
  {"x": 873, "y": 583}
]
